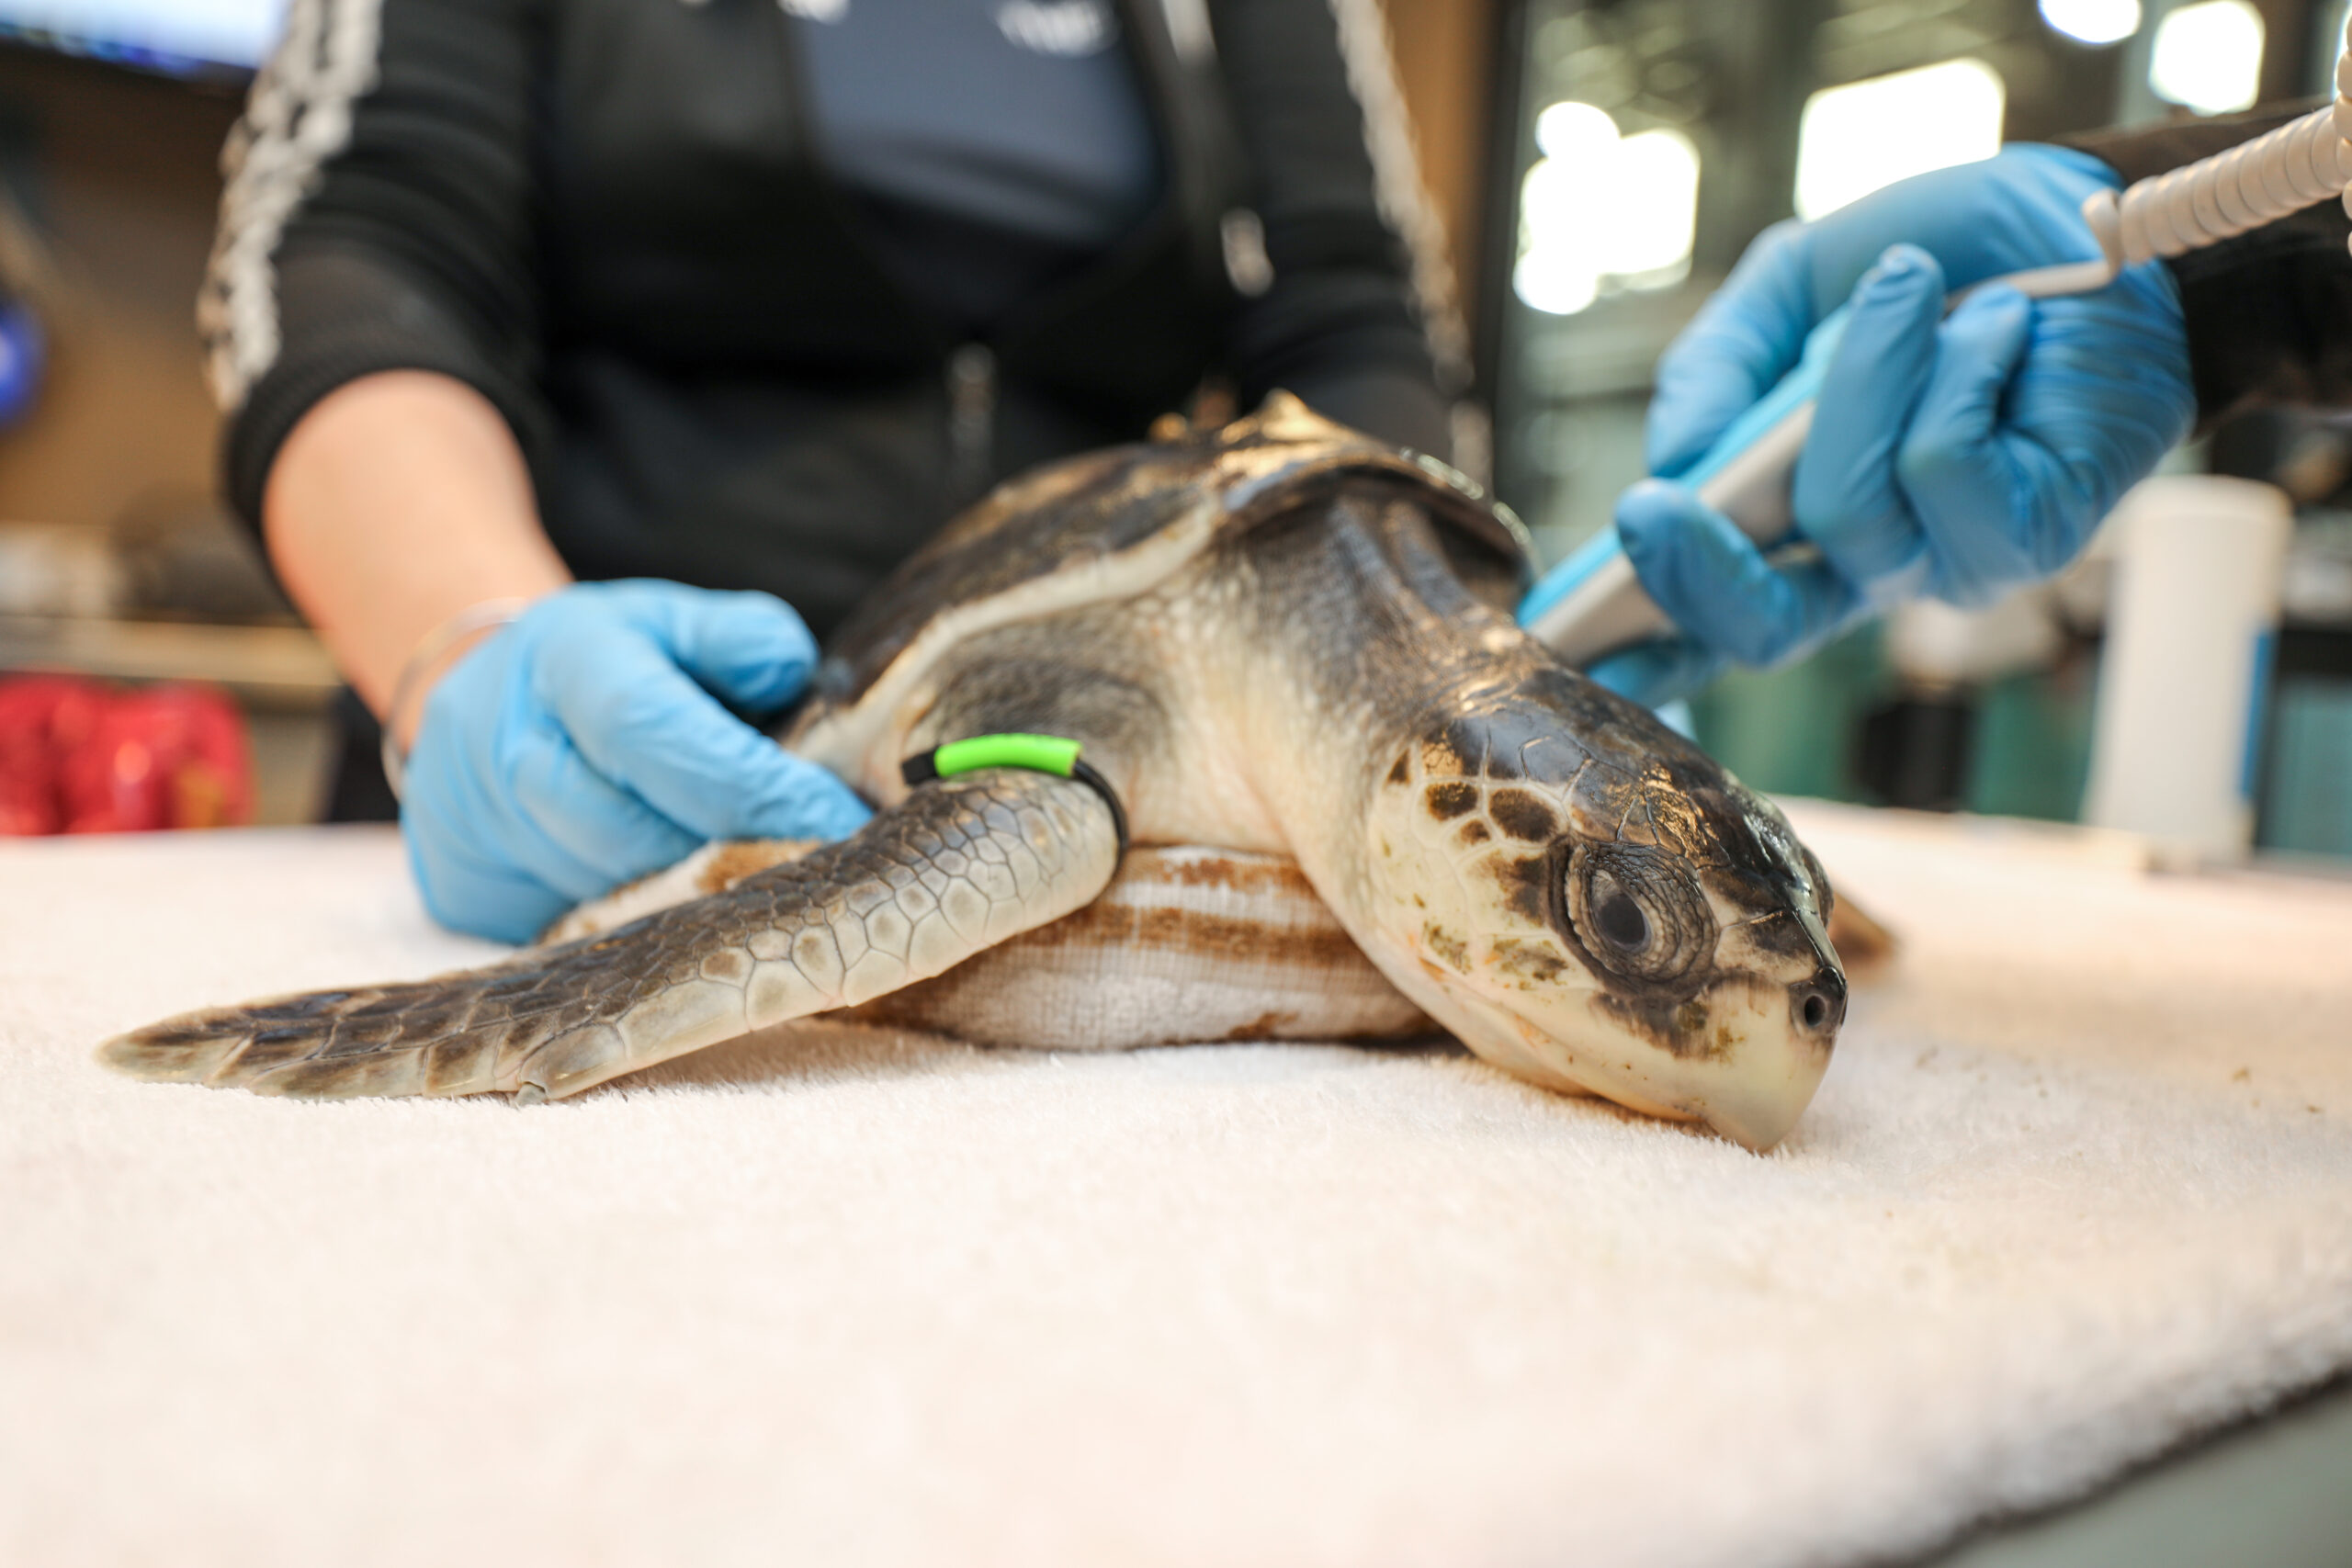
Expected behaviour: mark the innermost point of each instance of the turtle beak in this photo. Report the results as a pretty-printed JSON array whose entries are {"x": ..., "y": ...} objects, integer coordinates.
[{"x": 1775, "y": 1043}]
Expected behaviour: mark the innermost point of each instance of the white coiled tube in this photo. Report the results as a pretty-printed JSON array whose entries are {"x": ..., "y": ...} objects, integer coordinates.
[{"x": 2283, "y": 171}]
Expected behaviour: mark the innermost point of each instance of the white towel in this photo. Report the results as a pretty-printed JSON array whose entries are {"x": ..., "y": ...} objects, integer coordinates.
[{"x": 2079, "y": 1184}]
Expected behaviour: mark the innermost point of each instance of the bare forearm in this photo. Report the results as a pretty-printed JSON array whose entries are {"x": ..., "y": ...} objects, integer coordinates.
[{"x": 397, "y": 501}]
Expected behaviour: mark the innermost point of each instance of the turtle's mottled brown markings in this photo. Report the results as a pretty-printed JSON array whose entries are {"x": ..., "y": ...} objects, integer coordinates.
[
  {"x": 1530, "y": 962},
  {"x": 1679, "y": 1026},
  {"x": 1452, "y": 799},
  {"x": 1449, "y": 948},
  {"x": 1526, "y": 882},
  {"x": 1253, "y": 876},
  {"x": 1475, "y": 833},
  {"x": 1194, "y": 932},
  {"x": 1652, "y": 1018},
  {"x": 1522, "y": 815},
  {"x": 1403, "y": 772},
  {"x": 1440, "y": 758},
  {"x": 730, "y": 863}
]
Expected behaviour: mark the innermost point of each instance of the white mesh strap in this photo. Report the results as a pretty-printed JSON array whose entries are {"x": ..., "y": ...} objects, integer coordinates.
[
  {"x": 1396, "y": 184},
  {"x": 297, "y": 117}
]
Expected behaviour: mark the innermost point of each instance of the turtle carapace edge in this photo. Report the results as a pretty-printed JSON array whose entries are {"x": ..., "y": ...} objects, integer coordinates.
[{"x": 1361, "y": 800}]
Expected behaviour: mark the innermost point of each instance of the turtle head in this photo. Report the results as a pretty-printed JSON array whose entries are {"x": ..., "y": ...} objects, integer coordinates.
[{"x": 1588, "y": 900}]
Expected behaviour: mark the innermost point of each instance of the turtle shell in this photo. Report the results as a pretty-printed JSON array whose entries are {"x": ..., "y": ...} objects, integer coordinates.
[{"x": 1116, "y": 522}]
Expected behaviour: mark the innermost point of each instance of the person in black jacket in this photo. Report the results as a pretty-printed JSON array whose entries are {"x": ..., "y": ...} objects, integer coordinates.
[{"x": 739, "y": 300}]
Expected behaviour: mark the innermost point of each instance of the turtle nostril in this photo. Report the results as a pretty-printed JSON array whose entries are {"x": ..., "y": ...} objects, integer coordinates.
[{"x": 1819, "y": 1003}]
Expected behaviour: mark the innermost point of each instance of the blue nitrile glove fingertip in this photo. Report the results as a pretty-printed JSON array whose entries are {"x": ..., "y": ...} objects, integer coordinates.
[
  {"x": 1660, "y": 525},
  {"x": 1648, "y": 506},
  {"x": 1994, "y": 308},
  {"x": 798, "y": 799},
  {"x": 1742, "y": 342},
  {"x": 1699, "y": 569},
  {"x": 1898, "y": 261},
  {"x": 749, "y": 648},
  {"x": 752, "y": 648},
  {"x": 457, "y": 821},
  {"x": 1957, "y": 422},
  {"x": 499, "y": 904},
  {"x": 1714, "y": 583},
  {"x": 1655, "y": 673},
  {"x": 585, "y": 832},
  {"x": 1904, "y": 272},
  {"x": 1845, "y": 494},
  {"x": 642, "y": 721}
]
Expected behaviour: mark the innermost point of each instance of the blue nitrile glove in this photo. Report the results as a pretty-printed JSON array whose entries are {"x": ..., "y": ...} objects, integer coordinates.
[
  {"x": 582, "y": 746},
  {"x": 1951, "y": 457}
]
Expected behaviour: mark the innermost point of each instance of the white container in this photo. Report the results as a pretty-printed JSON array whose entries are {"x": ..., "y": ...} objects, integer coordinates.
[{"x": 2189, "y": 638}]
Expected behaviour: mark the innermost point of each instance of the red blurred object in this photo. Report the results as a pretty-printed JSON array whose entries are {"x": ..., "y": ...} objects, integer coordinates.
[{"x": 79, "y": 756}]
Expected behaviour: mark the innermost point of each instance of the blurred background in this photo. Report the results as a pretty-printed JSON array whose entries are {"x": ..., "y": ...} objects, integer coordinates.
[{"x": 1599, "y": 166}]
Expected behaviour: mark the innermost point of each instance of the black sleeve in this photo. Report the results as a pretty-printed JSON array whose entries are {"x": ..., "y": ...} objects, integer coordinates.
[
  {"x": 377, "y": 216},
  {"x": 1341, "y": 323},
  {"x": 2271, "y": 311}
]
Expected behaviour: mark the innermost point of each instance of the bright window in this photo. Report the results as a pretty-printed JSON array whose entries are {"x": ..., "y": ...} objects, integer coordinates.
[
  {"x": 2093, "y": 21},
  {"x": 1601, "y": 212},
  {"x": 2209, "y": 56},
  {"x": 1854, "y": 138},
  {"x": 236, "y": 32}
]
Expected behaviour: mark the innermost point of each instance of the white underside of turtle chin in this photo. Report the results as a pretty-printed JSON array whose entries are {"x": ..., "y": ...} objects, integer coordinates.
[
  {"x": 1750, "y": 1083},
  {"x": 1519, "y": 1047}
]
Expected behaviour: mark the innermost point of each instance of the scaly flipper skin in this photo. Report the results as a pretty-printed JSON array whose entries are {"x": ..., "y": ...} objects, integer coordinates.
[{"x": 956, "y": 867}]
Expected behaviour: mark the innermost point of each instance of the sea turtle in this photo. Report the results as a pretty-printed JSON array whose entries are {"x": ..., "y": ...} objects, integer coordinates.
[{"x": 1286, "y": 656}]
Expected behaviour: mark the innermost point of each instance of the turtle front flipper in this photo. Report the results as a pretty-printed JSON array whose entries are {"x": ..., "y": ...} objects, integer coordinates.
[{"x": 958, "y": 866}]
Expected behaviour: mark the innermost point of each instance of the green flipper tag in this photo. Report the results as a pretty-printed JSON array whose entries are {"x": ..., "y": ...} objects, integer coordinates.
[
  {"x": 1052, "y": 754},
  {"x": 1038, "y": 754}
]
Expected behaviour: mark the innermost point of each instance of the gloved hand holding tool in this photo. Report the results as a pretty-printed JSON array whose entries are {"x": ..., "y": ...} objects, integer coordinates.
[
  {"x": 586, "y": 744},
  {"x": 1953, "y": 455}
]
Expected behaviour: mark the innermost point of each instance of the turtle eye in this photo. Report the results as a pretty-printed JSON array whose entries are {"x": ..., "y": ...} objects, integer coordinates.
[
  {"x": 1619, "y": 919},
  {"x": 1637, "y": 912}
]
